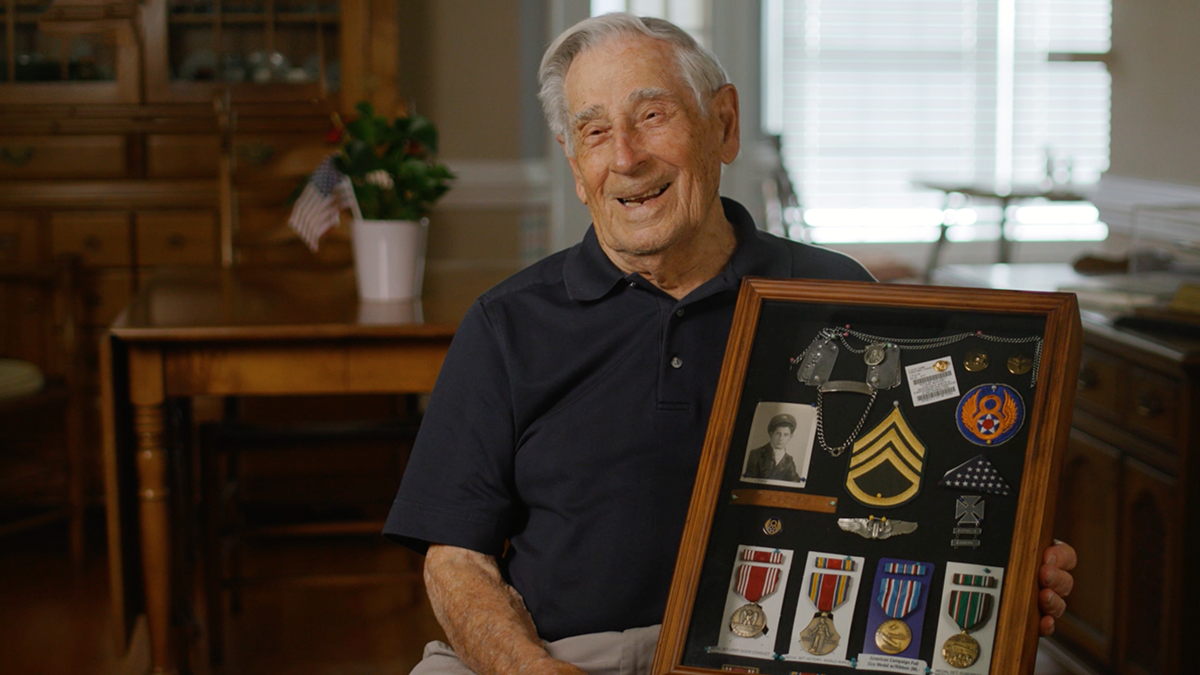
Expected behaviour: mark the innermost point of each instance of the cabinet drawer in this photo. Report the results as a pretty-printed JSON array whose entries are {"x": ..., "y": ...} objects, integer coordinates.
[
  {"x": 100, "y": 239},
  {"x": 1154, "y": 407},
  {"x": 18, "y": 239},
  {"x": 177, "y": 238},
  {"x": 107, "y": 292},
  {"x": 182, "y": 156},
  {"x": 276, "y": 156},
  {"x": 1100, "y": 380},
  {"x": 62, "y": 157}
]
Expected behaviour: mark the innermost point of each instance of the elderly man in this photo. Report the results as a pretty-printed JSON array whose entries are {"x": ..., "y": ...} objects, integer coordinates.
[{"x": 551, "y": 477}]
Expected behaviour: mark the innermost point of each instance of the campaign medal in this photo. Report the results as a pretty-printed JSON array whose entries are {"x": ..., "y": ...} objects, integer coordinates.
[
  {"x": 990, "y": 414},
  {"x": 754, "y": 582},
  {"x": 827, "y": 591},
  {"x": 898, "y": 597},
  {"x": 970, "y": 610}
]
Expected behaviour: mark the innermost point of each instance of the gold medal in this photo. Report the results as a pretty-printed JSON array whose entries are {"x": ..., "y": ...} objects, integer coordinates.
[
  {"x": 748, "y": 621},
  {"x": 893, "y": 636},
  {"x": 1019, "y": 364},
  {"x": 975, "y": 361},
  {"x": 820, "y": 637},
  {"x": 961, "y": 650}
]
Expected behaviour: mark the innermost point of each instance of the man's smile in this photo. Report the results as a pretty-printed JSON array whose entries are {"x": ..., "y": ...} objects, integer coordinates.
[{"x": 644, "y": 197}]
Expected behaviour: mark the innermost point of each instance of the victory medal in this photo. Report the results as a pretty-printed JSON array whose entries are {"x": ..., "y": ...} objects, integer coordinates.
[{"x": 827, "y": 591}]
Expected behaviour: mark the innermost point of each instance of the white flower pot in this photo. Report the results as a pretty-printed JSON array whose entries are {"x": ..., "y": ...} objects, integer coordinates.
[{"x": 389, "y": 258}]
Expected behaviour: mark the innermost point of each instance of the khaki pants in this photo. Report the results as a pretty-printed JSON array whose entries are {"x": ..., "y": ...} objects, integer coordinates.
[{"x": 629, "y": 652}]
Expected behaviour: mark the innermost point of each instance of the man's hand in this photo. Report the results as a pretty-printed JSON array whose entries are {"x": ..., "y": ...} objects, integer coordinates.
[
  {"x": 484, "y": 618},
  {"x": 1056, "y": 582}
]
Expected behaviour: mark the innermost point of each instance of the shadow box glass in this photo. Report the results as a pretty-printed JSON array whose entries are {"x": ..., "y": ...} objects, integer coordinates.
[{"x": 877, "y": 482}]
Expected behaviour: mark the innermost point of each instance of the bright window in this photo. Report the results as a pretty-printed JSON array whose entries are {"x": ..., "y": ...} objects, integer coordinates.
[{"x": 872, "y": 95}]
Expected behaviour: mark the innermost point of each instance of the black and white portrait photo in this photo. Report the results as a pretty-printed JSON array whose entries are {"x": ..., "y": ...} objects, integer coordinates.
[{"x": 780, "y": 444}]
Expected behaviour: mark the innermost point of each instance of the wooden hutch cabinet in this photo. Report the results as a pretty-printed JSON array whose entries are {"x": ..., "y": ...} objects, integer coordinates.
[
  {"x": 1129, "y": 495},
  {"x": 172, "y": 132}
]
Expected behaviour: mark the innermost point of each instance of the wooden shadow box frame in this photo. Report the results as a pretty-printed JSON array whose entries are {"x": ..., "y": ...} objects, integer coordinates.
[{"x": 982, "y": 336}]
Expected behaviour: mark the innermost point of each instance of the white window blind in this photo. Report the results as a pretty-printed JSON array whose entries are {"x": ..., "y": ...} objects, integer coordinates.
[{"x": 870, "y": 95}]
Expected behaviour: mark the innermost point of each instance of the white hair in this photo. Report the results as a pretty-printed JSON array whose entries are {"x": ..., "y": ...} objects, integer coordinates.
[{"x": 700, "y": 70}]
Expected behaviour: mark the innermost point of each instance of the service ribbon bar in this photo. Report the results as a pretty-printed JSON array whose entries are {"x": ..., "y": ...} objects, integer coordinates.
[
  {"x": 773, "y": 557},
  {"x": 755, "y": 581},
  {"x": 828, "y": 591},
  {"x": 970, "y": 609},
  {"x": 980, "y": 580},
  {"x": 835, "y": 564},
  {"x": 911, "y": 569},
  {"x": 899, "y": 597}
]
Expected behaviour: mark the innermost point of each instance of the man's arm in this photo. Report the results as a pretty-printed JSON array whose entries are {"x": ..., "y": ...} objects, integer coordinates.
[{"x": 484, "y": 618}]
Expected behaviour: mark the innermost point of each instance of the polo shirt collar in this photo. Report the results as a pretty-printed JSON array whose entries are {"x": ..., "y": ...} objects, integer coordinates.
[{"x": 590, "y": 275}]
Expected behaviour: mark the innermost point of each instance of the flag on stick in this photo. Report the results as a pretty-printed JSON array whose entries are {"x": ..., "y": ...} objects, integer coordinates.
[{"x": 317, "y": 209}]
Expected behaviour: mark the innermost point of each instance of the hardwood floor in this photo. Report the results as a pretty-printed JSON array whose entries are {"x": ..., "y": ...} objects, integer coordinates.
[{"x": 55, "y": 619}]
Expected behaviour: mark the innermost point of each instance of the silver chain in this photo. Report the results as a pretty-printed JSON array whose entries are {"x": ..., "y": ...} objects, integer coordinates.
[{"x": 835, "y": 451}]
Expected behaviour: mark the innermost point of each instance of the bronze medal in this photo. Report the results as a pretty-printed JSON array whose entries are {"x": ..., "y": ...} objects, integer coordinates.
[
  {"x": 820, "y": 637},
  {"x": 893, "y": 636},
  {"x": 975, "y": 361},
  {"x": 748, "y": 621},
  {"x": 1019, "y": 364},
  {"x": 961, "y": 650}
]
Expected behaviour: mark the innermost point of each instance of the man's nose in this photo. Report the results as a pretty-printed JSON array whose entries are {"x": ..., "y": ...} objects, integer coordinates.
[{"x": 628, "y": 151}]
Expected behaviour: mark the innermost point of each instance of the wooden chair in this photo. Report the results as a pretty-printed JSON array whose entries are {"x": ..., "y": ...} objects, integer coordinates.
[{"x": 41, "y": 414}]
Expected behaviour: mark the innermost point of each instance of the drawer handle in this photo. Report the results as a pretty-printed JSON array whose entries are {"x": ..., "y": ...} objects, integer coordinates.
[
  {"x": 1148, "y": 406},
  {"x": 256, "y": 154},
  {"x": 176, "y": 240},
  {"x": 1088, "y": 379},
  {"x": 92, "y": 243},
  {"x": 16, "y": 157}
]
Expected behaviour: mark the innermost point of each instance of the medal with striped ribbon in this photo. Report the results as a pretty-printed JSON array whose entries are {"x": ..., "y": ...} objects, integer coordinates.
[
  {"x": 898, "y": 597},
  {"x": 970, "y": 610},
  {"x": 827, "y": 592},
  {"x": 754, "y": 582}
]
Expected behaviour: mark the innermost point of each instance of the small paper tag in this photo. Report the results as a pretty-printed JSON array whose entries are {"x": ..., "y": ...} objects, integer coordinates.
[{"x": 932, "y": 381}]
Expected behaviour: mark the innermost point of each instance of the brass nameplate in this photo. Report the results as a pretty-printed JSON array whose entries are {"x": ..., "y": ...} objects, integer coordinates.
[{"x": 784, "y": 500}]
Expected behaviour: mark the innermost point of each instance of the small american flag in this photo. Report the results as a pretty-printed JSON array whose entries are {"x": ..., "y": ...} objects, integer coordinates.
[{"x": 317, "y": 209}]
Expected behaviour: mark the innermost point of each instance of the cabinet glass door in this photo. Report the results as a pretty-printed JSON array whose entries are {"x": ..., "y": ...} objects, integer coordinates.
[
  {"x": 289, "y": 47},
  {"x": 28, "y": 54}
]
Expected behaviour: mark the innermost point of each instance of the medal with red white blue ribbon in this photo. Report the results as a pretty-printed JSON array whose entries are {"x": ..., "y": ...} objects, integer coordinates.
[{"x": 898, "y": 598}]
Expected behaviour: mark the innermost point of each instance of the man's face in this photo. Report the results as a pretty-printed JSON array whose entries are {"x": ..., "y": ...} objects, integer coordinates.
[
  {"x": 647, "y": 161},
  {"x": 780, "y": 437}
]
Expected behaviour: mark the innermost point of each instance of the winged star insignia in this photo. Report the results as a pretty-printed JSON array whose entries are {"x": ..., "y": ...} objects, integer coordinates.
[
  {"x": 886, "y": 464},
  {"x": 990, "y": 414}
]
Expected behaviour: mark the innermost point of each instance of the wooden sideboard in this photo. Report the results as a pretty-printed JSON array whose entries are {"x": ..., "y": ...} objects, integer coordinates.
[
  {"x": 1128, "y": 497},
  {"x": 142, "y": 135}
]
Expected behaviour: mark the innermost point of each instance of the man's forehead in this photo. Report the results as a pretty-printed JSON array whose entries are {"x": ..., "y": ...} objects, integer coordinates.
[{"x": 622, "y": 70}]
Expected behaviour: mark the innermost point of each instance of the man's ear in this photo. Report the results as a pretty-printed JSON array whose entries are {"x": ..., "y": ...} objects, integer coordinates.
[
  {"x": 725, "y": 110},
  {"x": 579, "y": 191}
]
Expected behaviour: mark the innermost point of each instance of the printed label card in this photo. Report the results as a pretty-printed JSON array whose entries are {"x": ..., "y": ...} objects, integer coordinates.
[
  {"x": 966, "y": 632},
  {"x": 932, "y": 381},
  {"x": 820, "y": 633},
  {"x": 754, "y": 602}
]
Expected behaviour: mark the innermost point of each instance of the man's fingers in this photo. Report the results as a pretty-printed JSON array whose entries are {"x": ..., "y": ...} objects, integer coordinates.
[
  {"x": 1061, "y": 555},
  {"x": 1046, "y": 626},
  {"x": 1057, "y": 580},
  {"x": 1051, "y": 604}
]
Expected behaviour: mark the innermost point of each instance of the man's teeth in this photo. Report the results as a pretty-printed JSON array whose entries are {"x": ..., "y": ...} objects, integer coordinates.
[{"x": 643, "y": 198}]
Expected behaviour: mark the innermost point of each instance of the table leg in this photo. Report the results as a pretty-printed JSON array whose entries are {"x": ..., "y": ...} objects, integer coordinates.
[{"x": 153, "y": 495}]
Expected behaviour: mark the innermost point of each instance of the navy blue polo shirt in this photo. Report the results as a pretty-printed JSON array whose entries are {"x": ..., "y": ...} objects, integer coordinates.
[{"x": 568, "y": 419}]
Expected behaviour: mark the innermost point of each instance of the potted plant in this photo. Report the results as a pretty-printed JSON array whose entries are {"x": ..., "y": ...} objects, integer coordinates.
[{"x": 385, "y": 171}]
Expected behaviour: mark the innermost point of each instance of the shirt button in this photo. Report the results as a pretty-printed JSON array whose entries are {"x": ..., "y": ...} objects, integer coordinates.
[
  {"x": 633, "y": 284},
  {"x": 676, "y": 362},
  {"x": 679, "y": 312}
]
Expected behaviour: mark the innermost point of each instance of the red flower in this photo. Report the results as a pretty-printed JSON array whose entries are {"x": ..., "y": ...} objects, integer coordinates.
[{"x": 334, "y": 135}]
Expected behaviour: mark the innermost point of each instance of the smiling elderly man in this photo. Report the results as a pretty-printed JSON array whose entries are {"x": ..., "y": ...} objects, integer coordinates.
[{"x": 550, "y": 481}]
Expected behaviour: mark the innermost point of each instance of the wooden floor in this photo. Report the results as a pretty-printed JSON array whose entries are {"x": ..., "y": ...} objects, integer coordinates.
[{"x": 55, "y": 620}]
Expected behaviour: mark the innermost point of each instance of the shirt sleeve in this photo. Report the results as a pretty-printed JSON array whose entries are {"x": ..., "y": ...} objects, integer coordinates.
[{"x": 458, "y": 486}]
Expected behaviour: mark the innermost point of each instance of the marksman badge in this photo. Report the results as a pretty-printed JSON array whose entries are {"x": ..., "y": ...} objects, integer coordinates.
[
  {"x": 990, "y": 414},
  {"x": 827, "y": 591},
  {"x": 886, "y": 464}
]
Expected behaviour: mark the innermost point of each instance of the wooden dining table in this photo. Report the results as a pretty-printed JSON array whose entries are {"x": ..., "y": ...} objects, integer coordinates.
[{"x": 227, "y": 332}]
